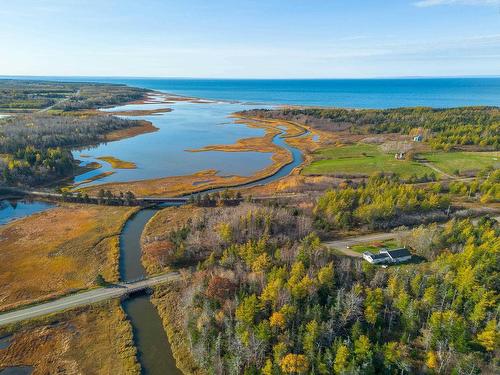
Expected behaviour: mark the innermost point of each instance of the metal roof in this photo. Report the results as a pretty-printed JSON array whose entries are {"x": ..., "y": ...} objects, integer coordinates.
[{"x": 398, "y": 253}]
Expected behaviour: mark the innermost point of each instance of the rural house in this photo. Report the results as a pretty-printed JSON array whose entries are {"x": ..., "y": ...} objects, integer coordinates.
[{"x": 388, "y": 256}]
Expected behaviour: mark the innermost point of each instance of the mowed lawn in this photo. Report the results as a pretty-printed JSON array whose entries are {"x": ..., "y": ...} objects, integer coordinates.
[
  {"x": 59, "y": 250},
  {"x": 361, "y": 159},
  {"x": 450, "y": 162}
]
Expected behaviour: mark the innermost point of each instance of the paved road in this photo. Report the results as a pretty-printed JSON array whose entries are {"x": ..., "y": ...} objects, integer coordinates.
[
  {"x": 85, "y": 298},
  {"x": 342, "y": 244}
]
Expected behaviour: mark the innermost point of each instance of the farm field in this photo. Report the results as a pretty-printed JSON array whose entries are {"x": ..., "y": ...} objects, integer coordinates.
[
  {"x": 362, "y": 159},
  {"x": 451, "y": 162}
]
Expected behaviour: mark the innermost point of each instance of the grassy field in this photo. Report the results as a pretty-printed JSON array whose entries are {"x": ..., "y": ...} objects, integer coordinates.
[
  {"x": 59, "y": 251},
  {"x": 91, "y": 340},
  {"x": 450, "y": 162},
  {"x": 374, "y": 247},
  {"x": 362, "y": 159}
]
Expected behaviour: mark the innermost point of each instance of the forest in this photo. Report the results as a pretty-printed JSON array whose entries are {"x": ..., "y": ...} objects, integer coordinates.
[
  {"x": 36, "y": 147},
  {"x": 446, "y": 128},
  {"x": 30, "y": 95},
  {"x": 270, "y": 299},
  {"x": 381, "y": 202}
]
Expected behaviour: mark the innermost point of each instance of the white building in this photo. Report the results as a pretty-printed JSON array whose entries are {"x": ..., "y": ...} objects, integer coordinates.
[{"x": 388, "y": 256}]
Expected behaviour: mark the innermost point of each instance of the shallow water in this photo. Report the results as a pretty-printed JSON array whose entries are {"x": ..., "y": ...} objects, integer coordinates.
[
  {"x": 17, "y": 370},
  {"x": 5, "y": 341},
  {"x": 16, "y": 209},
  {"x": 164, "y": 153}
]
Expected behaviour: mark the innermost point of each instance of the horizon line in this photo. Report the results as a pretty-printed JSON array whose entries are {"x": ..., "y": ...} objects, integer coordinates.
[{"x": 17, "y": 76}]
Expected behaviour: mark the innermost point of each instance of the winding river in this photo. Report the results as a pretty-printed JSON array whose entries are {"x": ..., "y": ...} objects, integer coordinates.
[{"x": 154, "y": 352}]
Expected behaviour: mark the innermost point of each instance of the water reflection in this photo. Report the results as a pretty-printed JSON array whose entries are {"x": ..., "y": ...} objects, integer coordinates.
[{"x": 16, "y": 209}]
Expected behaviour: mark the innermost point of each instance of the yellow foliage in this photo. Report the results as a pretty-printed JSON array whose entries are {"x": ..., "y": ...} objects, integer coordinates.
[
  {"x": 277, "y": 320},
  {"x": 341, "y": 359},
  {"x": 294, "y": 363},
  {"x": 225, "y": 232},
  {"x": 261, "y": 263},
  {"x": 326, "y": 274},
  {"x": 268, "y": 368},
  {"x": 432, "y": 361},
  {"x": 489, "y": 338}
]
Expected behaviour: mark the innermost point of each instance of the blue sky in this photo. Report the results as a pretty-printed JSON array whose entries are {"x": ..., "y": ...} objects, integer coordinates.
[{"x": 250, "y": 38}]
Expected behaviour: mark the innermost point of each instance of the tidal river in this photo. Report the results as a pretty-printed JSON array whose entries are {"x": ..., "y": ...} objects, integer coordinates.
[
  {"x": 154, "y": 353},
  {"x": 164, "y": 153}
]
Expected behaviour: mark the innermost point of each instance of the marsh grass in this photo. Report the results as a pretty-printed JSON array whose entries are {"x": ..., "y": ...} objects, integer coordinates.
[
  {"x": 168, "y": 301},
  {"x": 95, "y": 339},
  {"x": 59, "y": 251}
]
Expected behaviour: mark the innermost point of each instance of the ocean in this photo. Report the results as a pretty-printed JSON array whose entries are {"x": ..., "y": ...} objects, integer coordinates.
[{"x": 351, "y": 93}]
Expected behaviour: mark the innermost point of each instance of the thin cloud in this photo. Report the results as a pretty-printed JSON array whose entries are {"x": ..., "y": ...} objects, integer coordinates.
[{"x": 431, "y": 3}]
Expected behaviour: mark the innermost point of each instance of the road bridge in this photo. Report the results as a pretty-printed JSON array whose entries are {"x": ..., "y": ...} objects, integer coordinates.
[{"x": 85, "y": 298}]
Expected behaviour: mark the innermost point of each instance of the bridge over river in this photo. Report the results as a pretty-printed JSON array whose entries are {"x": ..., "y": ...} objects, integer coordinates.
[{"x": 84, "y": 298}]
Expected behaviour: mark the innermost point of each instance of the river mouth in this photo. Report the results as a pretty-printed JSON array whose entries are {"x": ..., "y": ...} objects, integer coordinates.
[{"x": 153, "y": 349}]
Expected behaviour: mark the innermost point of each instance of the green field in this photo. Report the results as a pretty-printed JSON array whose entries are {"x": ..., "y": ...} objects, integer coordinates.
[
  {"x": 388, "y": 244},
  {"x": 449, "y": 162},
  {"x": 361, "y": 159}
]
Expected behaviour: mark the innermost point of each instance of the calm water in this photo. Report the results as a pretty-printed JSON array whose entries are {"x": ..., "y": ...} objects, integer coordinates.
[
  {"x": 163, "y": 153},
  {"x": 356, "y": 93},
  {"x": 17, "y": 370},
  {"x": 191, "y": 125},
  {"x": 154, "y": 353},
  {"x": 16, "y": 209}
]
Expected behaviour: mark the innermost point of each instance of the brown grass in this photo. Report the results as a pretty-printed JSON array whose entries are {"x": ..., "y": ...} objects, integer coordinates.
[
  {"x": 142, "y": 112},
  {"x": 91, "y": 340},
  {"x": 59, "y": 251},
  {"x": 146, "y": 127},
  {"x": 117, "y": 163},
  {"x": 168, "y": 301},
  {"x": 209, "y": 179}
]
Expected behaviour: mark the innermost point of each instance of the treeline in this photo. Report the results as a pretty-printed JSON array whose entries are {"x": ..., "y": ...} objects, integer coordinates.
[
  {"x": 104, "y": 197},
  {"x": 98, "y": 96},
  {"x": 448, "y": 128},
  {"x": 43, "y": 131},
  {"x": 26, "y": 95},
  {"x": 272, "y": 306},
  {"x": 31, "y": 166},
  {"x": 219, "y": 198},
  {"x": 216, "y": 228},
  {"x": 380, "y": 202},
  {"x": 485, "y": 190},
  {"x": 36, "y": 147},
  {"x": 32, "y": 95}
]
